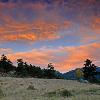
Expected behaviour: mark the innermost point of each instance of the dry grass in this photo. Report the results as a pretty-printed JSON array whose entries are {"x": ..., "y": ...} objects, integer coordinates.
[
  {"x": 46, "y": 89},
  {"x": 1, "y": 93},
  {"x": 60, "y": 93}
]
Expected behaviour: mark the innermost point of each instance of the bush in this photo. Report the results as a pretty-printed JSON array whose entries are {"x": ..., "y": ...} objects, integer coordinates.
[
  {"x": 31, "y": 87},
  {"x": 63, "y": 93}
]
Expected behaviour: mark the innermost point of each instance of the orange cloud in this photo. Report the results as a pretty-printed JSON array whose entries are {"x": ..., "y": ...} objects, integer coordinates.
[
  {"x": 34, "y": 31},
  {"x": 15, "y": 37},
  {"x": 63, "y": 58},
  {"x": 76, "y": 56},
  {"x": 46, "y": 24},
  {"x": 38, "y": 57},
  {"x": 32, "y": 37},
  {"x": 38, "y": 29}
]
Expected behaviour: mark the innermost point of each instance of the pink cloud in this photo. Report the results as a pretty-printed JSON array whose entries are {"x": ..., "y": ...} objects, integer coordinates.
[
  {"x": 63, "y": 58},
  {"x": 34, "y": 31}
]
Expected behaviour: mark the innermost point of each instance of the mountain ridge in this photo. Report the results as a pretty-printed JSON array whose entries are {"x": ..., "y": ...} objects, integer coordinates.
[{"x": 71, "y": 74}]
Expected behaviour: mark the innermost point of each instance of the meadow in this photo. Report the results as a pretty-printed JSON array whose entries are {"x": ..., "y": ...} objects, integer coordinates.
[{"x": 47, "y": 89}]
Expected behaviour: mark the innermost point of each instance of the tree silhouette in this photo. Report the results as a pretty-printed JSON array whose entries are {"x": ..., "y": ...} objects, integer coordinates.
[
  {"x": 24, "y": 70},
  {"x": 5, "y": 64},
  {"x": 49, "y": 72},
  {"x": 89, "y": 70},
  {"x": 21, "y": 70},
  {"x": 50, "y": 66}
]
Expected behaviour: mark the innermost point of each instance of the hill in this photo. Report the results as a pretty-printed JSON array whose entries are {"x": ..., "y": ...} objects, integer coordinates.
[
  {"x": 98, "y": 70},
  {"x": 46, "y": 89},
  {"x": 71, "y": 74}
]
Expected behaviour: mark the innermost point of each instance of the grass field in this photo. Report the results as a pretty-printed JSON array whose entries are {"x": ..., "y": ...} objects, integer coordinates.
[{"x": 46, "y": 89}]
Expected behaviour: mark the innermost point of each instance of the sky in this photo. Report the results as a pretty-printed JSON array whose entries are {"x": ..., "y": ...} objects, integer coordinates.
[{"x": 62, "y": 32}]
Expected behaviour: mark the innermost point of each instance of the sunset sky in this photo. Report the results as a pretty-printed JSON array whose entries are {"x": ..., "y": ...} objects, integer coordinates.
[{"x": 62, "y": 32}]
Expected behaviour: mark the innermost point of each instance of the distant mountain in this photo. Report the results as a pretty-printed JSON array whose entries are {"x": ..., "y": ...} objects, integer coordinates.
[
  {"x": 98, "y": 69},
  {"x": 58, "y": 74},
  {"x": 71, "y": 74},
  {"x": 98, "y": 75}
]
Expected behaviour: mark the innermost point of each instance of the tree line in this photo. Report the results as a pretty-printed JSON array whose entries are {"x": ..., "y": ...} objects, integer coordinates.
[
  {"x": 23, "y": 69},
  {"x": 26, "y": 70}
]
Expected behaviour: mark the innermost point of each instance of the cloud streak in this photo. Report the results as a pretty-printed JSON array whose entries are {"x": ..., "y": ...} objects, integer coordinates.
[
  {"x": 32, "y": 32},
  {"x": 38, "y": 29},
  {"x": 64, "y": 58}
]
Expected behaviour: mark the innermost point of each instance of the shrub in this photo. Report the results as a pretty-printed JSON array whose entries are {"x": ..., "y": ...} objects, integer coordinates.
[
  {"x": 31, "y": 87},
  {"x": 63, "y": 93}
]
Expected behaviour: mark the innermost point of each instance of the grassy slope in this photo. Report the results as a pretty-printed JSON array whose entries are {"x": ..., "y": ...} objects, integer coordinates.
[{"x": 46, "y": 89}]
